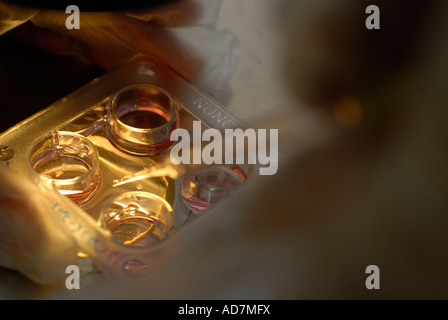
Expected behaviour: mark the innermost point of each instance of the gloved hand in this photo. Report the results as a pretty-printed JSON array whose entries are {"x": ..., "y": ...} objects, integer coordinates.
[
  {"x": 182, "y": 34},
  {"x": 32, "y": 240}
]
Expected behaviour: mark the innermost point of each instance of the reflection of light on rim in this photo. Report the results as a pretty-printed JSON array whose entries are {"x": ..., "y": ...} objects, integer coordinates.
[
  {"x": 114, "y": 105},
  {"x": 53, "y": 145},
  {"x": 125, "y": 212},
  {"x": 140, "y": 119},
  {"x": 93, "y": 168}
]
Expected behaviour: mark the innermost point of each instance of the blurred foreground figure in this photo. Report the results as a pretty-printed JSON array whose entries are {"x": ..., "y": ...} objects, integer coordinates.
[{"x": 374, "y": 193}]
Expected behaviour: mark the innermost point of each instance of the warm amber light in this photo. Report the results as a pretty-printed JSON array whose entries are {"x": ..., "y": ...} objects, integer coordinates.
[{"x": 348, "y": 112}]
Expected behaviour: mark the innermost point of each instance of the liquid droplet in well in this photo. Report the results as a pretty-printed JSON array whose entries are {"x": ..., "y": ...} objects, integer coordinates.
[{"x": 135, "y": 267}]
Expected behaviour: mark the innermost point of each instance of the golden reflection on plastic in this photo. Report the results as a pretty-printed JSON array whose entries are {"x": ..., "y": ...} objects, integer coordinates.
[
  {"x": 69, "y": 162},
  {"x": 140, "y": 119},
  {"x": 90, "y": 122},
  {"x": 116, "y": 165},
  {"x": 348, "y": 112}
]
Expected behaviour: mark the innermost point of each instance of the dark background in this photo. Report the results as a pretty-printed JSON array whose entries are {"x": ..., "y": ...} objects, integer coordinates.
[
  {"x": 31, "y": 79},
  {"x": 89, "y": 5}
]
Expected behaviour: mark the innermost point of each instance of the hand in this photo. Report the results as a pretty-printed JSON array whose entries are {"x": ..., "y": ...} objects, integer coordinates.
[
  {"x": 32, "y": 240},
  {"x": 182, "y": 34}
]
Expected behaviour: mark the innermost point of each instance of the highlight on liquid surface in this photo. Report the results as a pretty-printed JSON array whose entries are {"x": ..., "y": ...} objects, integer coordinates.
[
  {"x": 144, "y": 126},
  {"x": 145, "y": 118},
  {"x": 63, "y": 168},
  {"x": 64, "y": 172}
]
